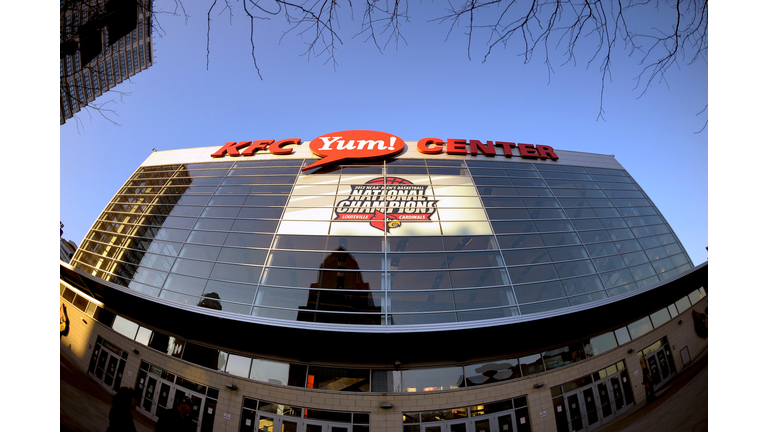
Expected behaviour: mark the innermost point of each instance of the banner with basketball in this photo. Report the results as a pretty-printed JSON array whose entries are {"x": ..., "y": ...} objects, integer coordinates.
[
  {"x": 387, "y": 203},
  {"x": 392, "y": 205}
]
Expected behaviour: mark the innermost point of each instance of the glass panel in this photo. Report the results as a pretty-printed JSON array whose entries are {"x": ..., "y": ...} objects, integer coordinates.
[
  {"x": 531, "y": 364},
  {"x": 236, "y": 273},
  {"x": 543, "y": 307},
  {"x": 660, "y": 317},
  {"x": 683, "y": 304},
  {"x": 417, "y": 261},
  {"x": 231, "y": 291},
  {"x": 478, "y": 278},
  {"x": 488, "y": 373},
  {"x": 582, "y": 285},
  {"x": 574, "y": 268},
  {"x": 424, "y": 380},
  {"x": 483, "y": 298},
  {"x": 600, "y": 344},
  {"x": 640, "y": 327},
  {"x": 125, "y": 327},
  {"x": 415, "y": 244},
  {"x": 143, "y": 335},
  {"x": 419, "y": 280},
  {"x": 526, "y": 256},
  {"x": 192, "y": 268},
  {"x": 243, "y": 256},
  {"x": 338, "y": 379},
  {"x": 539, "y": 292},
  {"x": 421, "y": 301},
  {"x": 563, "y": 356},
  {"x": 536, "y": 273},
  {"x": 269, "y": 371},
  {"x": 238, "y": 365},
  {"x": 473, "y": 259},
  {"x": 622, "y": 335}
]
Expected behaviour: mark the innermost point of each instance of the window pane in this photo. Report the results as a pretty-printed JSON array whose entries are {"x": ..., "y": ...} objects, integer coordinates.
[
  {"x": 600, "y": 344},
  {"x": 478, "y": 278},
  {"x": 421, "y": 301},
  {"x": 238, "y": 365},
  {"x": 424, "y": 380},
  {"x": 125, "y": 327},
  {"x": 532, "y": 273},
  {"x": 483, "y": 298},
  {"x": 539, "y": 292},
  {"x": 640, "y": 327},
  {"x": 488, "y": 373},
  {"x": 419, "y": 280},
  {"x": 660, "y": 317},
  {"x": 531, "y": 364},
  {"x": 526, "y": 256}
]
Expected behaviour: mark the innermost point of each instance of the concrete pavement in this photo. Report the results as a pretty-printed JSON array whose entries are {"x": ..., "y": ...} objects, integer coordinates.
[{"x": 84, "y": 404}]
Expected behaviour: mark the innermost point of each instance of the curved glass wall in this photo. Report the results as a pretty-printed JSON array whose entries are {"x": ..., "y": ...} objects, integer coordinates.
[{"x": 410, "y": 241}]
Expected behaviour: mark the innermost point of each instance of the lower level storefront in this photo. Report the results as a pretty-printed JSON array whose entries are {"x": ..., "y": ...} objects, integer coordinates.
[{"x": 562, "y": 391}]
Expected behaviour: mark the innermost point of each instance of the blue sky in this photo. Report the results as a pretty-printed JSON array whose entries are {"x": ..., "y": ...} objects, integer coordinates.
[{"x": 427, "y": 87}]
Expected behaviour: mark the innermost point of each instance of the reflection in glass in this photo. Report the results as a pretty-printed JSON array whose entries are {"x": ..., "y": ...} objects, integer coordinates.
[
  {"x": 425, "y": 380},
  {"x": 329, "y": 298},
  {"x": 487, "y": 373},
  {"x": 640, "y": 327},
  {"x": 531, "y": 364}
]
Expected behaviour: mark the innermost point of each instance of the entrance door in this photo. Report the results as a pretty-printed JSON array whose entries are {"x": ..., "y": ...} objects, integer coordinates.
[
  {"x": 197, "y": 402},
  {"x": 575, "y": 412},
  {"x": 109, "y": 368},
  {"x": 314, "y": 426},
  {"x": 594, "y": 404},
  {"x": 660, "y": 366},
  {"x": 157, "y": 397}
]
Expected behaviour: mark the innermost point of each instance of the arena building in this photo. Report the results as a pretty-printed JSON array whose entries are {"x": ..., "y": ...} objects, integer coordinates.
[{"x": 358, "y": 282}]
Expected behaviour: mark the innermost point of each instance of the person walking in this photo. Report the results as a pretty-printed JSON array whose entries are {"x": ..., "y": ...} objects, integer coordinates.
[
  {"x": 120, "y": 415},
  {"x": 650, "y": 395},
  {"x": 177, "y": 419}
]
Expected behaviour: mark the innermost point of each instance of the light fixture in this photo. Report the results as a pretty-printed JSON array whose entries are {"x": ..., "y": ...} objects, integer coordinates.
[
  {"x": 86, "y": 322},
  {"x": 630, "y": 351},
  {"x": 135, "y": 351},
  {"x": 386, "y": 405},
  {"x": 231, "y": 386},
  {"x": 398, "y": 364},
  {"x": 538, "y": 385}
]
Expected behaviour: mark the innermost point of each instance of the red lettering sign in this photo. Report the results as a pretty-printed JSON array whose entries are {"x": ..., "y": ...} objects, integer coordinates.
[
  {"x": 459, "y": 147},
  {"x": 232, "y": 149},
  {"x": 353, "y": 145}
]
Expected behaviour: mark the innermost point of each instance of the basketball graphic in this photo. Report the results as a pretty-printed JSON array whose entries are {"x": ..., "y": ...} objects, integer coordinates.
[
  {"x": 389, "y": 181},
  {"x": 386, "y": 202}
]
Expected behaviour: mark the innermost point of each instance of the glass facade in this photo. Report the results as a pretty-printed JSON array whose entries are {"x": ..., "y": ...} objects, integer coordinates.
[{"x": 407, "y": 241}]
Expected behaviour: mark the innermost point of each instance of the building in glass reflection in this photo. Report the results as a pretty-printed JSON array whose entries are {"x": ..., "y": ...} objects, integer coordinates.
[{"x": 418, "y": 293}]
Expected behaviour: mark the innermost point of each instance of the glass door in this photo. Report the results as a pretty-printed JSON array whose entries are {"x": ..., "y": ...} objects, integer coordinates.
[
  {"x": 156, "y": 398},
  {"x": 109, "y": 369},
  {"x": 575, "y": 416},
  {"x": 590, "y": 407},
  {"x": 660, "y": 366},
  {"x": 197, "y": 402},
  {"x": 604, "y": 399},
  {"x": 505, "y": 423},
  {"x": 314, "y": 426}
]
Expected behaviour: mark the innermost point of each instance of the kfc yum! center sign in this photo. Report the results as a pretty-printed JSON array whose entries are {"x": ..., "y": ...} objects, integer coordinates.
[{"x": 365, "y": 145}]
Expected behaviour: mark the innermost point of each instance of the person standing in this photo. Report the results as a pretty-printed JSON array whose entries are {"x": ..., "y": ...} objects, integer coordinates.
[
  {"x": 177, "y": 419},
  {"x": 120, "y": 415}
]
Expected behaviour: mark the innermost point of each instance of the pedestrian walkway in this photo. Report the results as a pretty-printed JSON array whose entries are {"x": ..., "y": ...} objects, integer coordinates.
[
  {"x": 84, "y": 404},
  {"x": 681, "y": 406}
]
